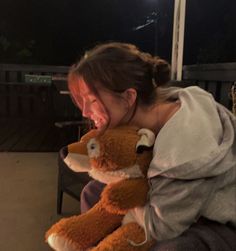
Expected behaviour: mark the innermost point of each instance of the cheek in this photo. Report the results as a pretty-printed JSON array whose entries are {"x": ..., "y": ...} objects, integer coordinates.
[
  {"x": 99, "y": 115},
  {"x": 117, "y": 113},
  {"x": 98, "y": 110}
]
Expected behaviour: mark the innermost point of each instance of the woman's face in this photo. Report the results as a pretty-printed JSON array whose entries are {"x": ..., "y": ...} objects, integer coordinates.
[{"x": 106, "y": 109}]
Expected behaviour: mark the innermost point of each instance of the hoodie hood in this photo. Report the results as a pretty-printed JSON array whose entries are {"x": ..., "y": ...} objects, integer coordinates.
[{"x": 198, "y": 141}]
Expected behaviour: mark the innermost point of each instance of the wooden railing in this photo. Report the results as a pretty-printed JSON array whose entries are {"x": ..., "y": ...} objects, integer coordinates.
[
  {"x": 21, "y": 98},
  {"x": 34, "y": 114},
  {"x": 218, "y": 79}
]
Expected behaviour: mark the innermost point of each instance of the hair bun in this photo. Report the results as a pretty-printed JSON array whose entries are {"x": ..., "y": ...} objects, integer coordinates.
[{"x": 161, "y": 71}]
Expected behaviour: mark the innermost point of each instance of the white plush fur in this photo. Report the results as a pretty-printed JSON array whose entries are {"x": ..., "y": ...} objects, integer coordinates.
[
  {"x": 59, "y": 243},
  {"x": 77, "y": 162},
  {"x": 128, "y": 218},
  {"x": 147, "y": 138},
  {"x": 114, "y": 176}
]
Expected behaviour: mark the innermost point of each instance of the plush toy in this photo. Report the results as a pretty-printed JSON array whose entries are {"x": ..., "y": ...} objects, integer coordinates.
[{"x": 119, "y": 158}]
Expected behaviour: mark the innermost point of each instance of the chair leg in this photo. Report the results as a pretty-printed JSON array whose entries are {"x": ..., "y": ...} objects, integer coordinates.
[
  {"x": 59, "y": 200},
  {"x": 59, "y": 184}
]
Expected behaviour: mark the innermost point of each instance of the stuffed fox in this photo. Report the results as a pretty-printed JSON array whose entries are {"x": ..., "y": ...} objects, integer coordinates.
[{"x": 119, "y": 158}]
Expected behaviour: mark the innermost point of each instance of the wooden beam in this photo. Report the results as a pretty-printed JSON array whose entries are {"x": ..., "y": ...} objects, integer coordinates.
[{"x": 34, "y": 68}]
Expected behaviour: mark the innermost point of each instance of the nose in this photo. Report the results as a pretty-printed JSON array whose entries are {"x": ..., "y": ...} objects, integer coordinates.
[{"x": 86, "y": 111}]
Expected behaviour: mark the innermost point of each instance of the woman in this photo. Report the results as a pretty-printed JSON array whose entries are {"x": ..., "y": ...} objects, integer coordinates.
[{"x": 193, "y": 171}]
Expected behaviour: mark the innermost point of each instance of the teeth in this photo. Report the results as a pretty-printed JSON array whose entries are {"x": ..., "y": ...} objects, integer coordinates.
[
  {"x": 98, "y": 124},
  {"x": 97, "y": 121}
]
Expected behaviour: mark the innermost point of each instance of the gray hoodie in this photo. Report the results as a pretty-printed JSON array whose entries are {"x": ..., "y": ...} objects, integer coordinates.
[{"x": 193, "y": 171}]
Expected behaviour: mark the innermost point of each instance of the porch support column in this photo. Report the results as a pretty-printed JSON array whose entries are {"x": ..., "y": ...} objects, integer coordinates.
[{"x": 178, "y": 40}]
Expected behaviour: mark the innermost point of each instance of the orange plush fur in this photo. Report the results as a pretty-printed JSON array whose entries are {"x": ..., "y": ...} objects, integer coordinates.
[{"x": 111, "y": 158}]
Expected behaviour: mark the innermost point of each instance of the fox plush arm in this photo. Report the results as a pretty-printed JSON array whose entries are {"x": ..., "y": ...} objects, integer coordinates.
[{"x": 123, "y": 195}]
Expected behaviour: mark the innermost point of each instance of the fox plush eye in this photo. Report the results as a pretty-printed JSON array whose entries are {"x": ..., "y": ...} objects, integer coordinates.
[{"x": 93, "y": 148}]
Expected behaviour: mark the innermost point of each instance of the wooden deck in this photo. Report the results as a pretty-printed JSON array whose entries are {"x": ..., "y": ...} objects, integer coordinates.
[
  {"x": 34, "y": 136},
  {"x": 30, "y": 104}
]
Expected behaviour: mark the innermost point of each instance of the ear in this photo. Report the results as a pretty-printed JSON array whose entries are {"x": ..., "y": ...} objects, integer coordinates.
[
  {"x": 146, "y": 140},
  {"x": 130, "y": 95}
]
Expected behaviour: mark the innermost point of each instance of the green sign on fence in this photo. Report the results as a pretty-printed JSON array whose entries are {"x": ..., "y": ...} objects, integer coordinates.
[{"x": 38, "y": 79}]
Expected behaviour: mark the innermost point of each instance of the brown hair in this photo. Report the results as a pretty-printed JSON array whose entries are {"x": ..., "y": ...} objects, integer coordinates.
[{"x": 119, "y": 66}]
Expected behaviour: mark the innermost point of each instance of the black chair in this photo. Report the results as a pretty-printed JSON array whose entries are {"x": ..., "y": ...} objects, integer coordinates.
[{"x": 69, "y": 181}]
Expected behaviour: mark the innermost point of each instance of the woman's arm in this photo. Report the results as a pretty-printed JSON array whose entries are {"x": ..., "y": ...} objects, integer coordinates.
[{"x": 174, "y": 205}]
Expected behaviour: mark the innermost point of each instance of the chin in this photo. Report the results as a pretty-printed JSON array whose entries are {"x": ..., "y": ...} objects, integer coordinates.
[{"x": 101, "y": 128}]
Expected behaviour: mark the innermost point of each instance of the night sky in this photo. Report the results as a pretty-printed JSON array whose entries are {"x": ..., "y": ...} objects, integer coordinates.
[{"x": 58, "y": 32}]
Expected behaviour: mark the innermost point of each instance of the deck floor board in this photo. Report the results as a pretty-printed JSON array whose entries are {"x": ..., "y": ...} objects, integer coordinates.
[{"x": 33, "y": 136}]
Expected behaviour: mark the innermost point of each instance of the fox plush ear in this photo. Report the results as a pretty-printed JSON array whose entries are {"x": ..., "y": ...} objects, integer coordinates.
[{"x": 146, "y": 141}]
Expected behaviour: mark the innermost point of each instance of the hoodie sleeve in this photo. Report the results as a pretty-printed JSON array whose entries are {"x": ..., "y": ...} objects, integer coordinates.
[
  {"x": 174, "y": 206},
  {"x": 192, "y": 154}
]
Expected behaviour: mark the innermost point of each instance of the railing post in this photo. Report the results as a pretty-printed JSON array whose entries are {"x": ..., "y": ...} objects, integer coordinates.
[{"x": 178, "y": 40}]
